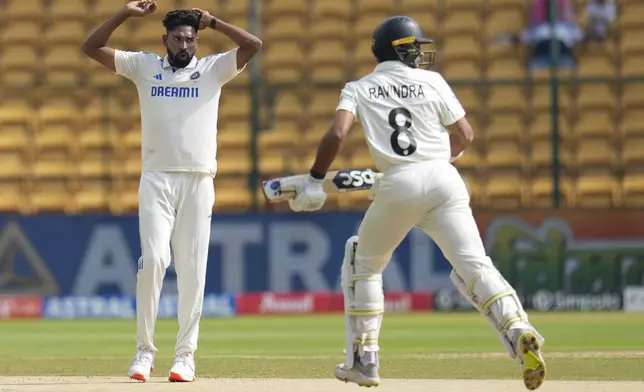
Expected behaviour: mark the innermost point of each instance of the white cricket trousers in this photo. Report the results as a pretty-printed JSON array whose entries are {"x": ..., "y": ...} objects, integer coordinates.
[
  {"x": 174, "y": 210},
  {"x": 431, "y": 196}
]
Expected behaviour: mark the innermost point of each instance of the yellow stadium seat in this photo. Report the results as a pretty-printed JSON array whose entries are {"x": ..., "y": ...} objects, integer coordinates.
[
  {"x": 282, "y": 62},
  {"x": 470, "y": 161},
  {"x": 96, "y": 139},
  {"x": 503, "y": 21},
  {"x": 14, "y": 138},
  {"x": 281, "y": 8},
  {"x": 54, "y": 137},
  {"x": 631, "y": 43},
  {"x": 234, "y": 106},
  {"x": 632, "y": 66},
  {"x": 231, "y": 138},
  {"x": 24, "y": 10},
  {"x": 505, "y": 155},
  {"x": 629, "y": 14},
  {"x": 496, "y": 5},
  {"x": 596, "y": 154},
  {"x": 66, "y": 32},
  {"x": 365, "y": 26},
  {"x": 429, "y": 22},
  {"x": 69, "y": 9},
  {"x": 21, "y": 57},
  {"x": 506, "y": 68},
  {"x": 12, "y": 166},
  {"x": 542, "y": 188},
  {"x": 632, "y": 96},
  {"x": 63, "y": 64},
  {"x": 278, "y": 139},
  {"x": 131, "y": 167},
  {"x": 93, "y": 196},
  {"x": 99, "y": 76},
  {"x": 540, "y": 127},
  {"x": 462, "y": 70},
  {"x": 12, "y": 199},
  {"x": 53, "y": 165},
  {"x": 360, "y": 159},
  {"x": 288, "y": 105},
  {"x": 633, "y": 190},
  {"x": 598, "y": 123},
  {"x": 16, "y": 111},
  {"x": 284, "y": 29},
  {"x": 409, "y": 7},
  {"x": 469, "y": 97},
  {"x": 504, "y": 98},
  {"x": 338, "y": 9},
  {"x": 313, "y": 135},
  {"x": 542, "y": 100},
  {"x": 509, "y": 127},
  {"x": 323, "y": 104},
  {"x": 365, "y": 7},
  {"x": 632, "y": 123},
  {"x": 49, "y": 196},
  {"x": 237, "y": 8},
  {"x": 63, "y": 110},
  {"x": 329, "y": 61},
  {"x": 633, "y": 154},
  {"x": 542, "y": 159},
  {"x": 467, "y": 22},
  {"x": 458, "y": 48},
  {"x": 456, "y": 5},
  {"x": 275, "y": 163},
  {"x": 597, "y": 191},
  {"x": 233, "y": 162},
  {"x": 593, "y": 66},
  {"x": 23, "y": 32},
  {"x": 232, "y": 194},
  {"x": 93, "y": 167},
  {"x": 505, "y": 191},
  {"x": 328, "y": 29},
  {"x": 595, "y": 96}
]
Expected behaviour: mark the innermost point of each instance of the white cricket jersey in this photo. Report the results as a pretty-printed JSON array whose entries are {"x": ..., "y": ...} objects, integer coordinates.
[
  {"x": 179, "y": 109},
  {"x": 403, "y": 112}
]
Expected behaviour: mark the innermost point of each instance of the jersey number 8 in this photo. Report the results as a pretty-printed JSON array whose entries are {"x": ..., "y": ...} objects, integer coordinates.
[{"x": 401, "y": 129}]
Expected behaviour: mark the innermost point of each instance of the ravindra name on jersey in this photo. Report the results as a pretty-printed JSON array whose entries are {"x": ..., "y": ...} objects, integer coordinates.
[
  {"x": 403, "y": 112},
  {"x": 179, "y": 109}
]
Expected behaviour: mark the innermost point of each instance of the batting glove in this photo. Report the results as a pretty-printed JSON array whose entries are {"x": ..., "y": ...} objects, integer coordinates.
[{"x": 310, "y": 196}]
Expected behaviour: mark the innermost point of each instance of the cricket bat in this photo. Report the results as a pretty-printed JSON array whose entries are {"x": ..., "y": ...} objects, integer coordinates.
[{"x": 284, "y": 188}]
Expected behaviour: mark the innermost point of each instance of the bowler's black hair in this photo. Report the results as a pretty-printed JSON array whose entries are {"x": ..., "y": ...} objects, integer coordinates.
[{"x": 176, "y": 18}]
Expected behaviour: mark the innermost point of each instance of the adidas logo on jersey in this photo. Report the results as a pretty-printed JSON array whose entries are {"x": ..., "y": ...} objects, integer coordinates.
[{"x": 158, "y": 77}]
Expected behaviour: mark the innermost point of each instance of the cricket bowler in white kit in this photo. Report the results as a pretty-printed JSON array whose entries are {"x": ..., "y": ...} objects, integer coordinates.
[
  {"x": 179, "y": 98},
  {"x": 414, "y": 127}
]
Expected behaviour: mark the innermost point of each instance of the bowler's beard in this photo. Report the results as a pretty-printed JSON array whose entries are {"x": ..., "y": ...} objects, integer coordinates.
[{"x": 180, "y": 60}]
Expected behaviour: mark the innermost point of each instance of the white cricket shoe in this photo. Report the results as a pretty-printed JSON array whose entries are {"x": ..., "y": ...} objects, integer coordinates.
[
  {"x": 363, "y": 375},
  {"x": 183, "y": 369},
  {"x": 142, "y": 365}
]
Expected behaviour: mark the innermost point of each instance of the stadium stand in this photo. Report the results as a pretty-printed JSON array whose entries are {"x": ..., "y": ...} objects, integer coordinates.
[{"x": 70, "y": 137}]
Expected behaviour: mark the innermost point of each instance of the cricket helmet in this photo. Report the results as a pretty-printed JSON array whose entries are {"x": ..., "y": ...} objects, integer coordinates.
[{"x": 401, "y": 38}]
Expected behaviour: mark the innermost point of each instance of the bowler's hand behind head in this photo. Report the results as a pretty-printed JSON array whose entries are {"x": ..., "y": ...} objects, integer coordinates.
[
  {"x": 204, "y": 18},
  {"x": 140, "y": 8}
]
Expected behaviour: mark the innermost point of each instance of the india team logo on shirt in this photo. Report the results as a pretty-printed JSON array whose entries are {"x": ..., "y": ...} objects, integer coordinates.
[{"x": 195, "y": 76}]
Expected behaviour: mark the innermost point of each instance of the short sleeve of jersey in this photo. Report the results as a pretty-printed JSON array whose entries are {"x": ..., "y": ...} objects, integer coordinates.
[
  {"x": 129, "y": 64},
  {"x": 348, "y": 99},
  {"x": 224, "y": 66},
  {"x": 451, "y": 109}
]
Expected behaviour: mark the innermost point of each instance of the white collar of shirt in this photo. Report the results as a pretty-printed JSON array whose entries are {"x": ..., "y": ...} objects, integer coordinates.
[
  {"x": 389, "y": 65},
  {"x": 166, "y": 64}
]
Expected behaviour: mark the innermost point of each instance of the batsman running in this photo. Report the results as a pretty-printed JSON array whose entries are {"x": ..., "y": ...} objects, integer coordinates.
[
  {"x": 179, "y": 99},
  {"x": 414, "y": 127}
]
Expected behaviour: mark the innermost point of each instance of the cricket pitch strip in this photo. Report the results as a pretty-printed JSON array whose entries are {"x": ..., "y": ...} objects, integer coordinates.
[{"x": 122, "y": 384}]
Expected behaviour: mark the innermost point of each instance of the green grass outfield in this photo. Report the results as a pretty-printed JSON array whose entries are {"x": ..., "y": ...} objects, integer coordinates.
[{"x": 579, "y": 346}]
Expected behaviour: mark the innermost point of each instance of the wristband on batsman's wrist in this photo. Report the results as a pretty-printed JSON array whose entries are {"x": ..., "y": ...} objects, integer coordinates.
[
  {"x": 316, "y": 175},
  {"x": 213, "y": 23}
]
